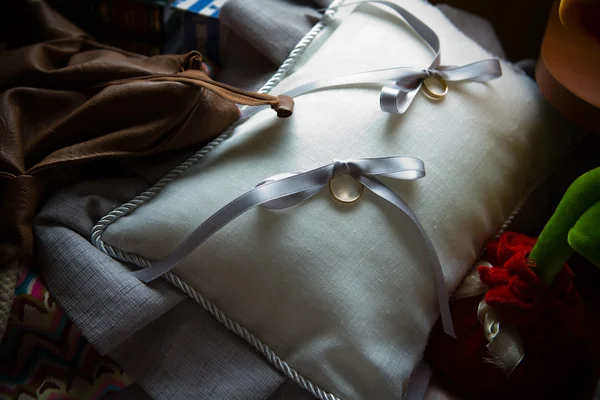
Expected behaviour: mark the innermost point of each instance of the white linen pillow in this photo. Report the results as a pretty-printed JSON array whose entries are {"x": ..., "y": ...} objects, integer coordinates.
[{"x": 341, "y": 293}]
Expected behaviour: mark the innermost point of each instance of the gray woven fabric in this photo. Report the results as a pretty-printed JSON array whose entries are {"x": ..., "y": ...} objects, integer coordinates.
[
  {"x": 271, "y": 27},
  {"x": 8, "y": 279},
  {"x": 291, "y": 391},
  {"x": 259, "y": 36},
  {"x": 173, "y": 349},
  {"x": 201, "y": 359},
  {"x": 98, "y": 293}
]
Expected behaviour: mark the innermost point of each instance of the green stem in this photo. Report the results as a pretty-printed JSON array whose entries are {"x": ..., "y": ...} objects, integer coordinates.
[
  {"x": 552, "y": 249},
  {"x": 584, "y": 237}
]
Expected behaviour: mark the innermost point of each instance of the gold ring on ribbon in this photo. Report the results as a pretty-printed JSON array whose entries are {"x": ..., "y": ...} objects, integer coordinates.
[
  {"x": 345, "y": 189},
  {"x": 433, "y": 95}
]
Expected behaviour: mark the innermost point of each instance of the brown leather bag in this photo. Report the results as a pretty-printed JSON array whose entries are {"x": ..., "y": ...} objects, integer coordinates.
[{"x": 68, "y": 99}]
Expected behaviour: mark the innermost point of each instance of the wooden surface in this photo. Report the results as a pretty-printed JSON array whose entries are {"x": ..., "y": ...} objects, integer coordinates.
[{"x": 567, "y": 74}]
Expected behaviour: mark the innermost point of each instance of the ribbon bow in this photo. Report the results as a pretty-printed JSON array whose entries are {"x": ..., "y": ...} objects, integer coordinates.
[
  {"x": 396, "y": 98},
  {"x": 402, "y": 83},
  {"x": 285, "y": 190}
]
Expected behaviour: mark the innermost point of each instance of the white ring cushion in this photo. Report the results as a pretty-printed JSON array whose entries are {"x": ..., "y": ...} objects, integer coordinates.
[{"x": 344, "y": 293}]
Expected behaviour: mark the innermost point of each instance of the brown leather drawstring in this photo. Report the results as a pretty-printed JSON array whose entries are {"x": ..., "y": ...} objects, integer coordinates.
[
  {"x": 283, "y": 105},
  {"x": 194, "y": 62}
]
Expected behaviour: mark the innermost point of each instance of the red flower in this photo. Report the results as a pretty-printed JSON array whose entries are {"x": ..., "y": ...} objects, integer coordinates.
[
  {"x": 557, "y": 363},
  {"x": 520, "y": 297}
]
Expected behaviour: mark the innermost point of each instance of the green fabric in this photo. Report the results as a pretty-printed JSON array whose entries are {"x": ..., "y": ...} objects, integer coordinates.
[
  {"x": 553, "y": 247},
  {"x": 584, "y": 237}
]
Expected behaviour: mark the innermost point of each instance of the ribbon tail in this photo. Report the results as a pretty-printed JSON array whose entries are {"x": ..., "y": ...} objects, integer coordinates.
[
  {"x": 291, "y": 200},
  {"x": 480, "y": 71},
  {"x": 380, "y": 76},
  {"x": 442, "y": 294},
  {"x": 419, "y": 382}
]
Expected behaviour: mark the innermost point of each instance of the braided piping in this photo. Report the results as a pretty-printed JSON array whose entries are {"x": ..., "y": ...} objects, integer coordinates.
[
  {"x": 250, "y": 338},
  {"x": 146, "y": 196},
  {"x": 230, "y": 324},
  {"x": 301, "y": 47}
]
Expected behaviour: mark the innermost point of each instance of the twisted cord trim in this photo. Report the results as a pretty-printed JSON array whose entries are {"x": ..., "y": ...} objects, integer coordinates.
[
  {"x": 230, "y": 324},
  {"x": 146, "y": 196}
]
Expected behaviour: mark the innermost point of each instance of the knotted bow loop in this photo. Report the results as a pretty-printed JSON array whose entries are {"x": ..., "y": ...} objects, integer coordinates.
[
  {"x": 284, "y": 190},
  {"x": 340, "y": 168}
]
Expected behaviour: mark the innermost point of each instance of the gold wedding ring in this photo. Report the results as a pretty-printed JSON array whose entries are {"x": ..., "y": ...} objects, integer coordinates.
[
  {"x": 433, "y": 95},
  {"x": 345, "y": 189}
]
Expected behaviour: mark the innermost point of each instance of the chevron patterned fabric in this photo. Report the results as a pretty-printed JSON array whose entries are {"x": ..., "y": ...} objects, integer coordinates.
[{"x": 44, "y": 356}]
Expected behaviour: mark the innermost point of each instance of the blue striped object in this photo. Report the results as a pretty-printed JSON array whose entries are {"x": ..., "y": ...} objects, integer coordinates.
[{"x": 209, "y": 8}]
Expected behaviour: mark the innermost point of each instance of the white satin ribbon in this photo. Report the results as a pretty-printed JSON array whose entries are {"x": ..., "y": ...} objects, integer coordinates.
[
  {"x": 397, "y": 97},
  {"x": 402, "y": 83},
  {"x": 504, "y": 342},
  {"x": 285, "y": 190}
]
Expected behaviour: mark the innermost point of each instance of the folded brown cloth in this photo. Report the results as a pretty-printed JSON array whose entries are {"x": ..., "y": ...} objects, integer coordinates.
[{"x": 66, "y": 99}]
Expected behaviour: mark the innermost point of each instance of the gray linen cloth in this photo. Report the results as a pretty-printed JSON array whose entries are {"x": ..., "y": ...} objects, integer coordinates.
[{"x": 171, "y": 346}]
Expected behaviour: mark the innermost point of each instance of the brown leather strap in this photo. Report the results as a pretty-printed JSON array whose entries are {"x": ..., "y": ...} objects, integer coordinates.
[{"x": 282, "y": 104}]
